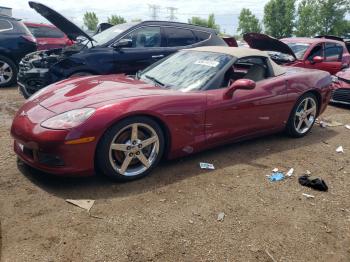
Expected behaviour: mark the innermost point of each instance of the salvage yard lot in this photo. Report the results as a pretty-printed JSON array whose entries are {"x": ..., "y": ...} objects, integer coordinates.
[{"x": 172, "y": 214}]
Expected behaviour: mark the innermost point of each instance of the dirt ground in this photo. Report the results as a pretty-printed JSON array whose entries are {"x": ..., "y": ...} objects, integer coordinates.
[{"x": 172, "y": 214}]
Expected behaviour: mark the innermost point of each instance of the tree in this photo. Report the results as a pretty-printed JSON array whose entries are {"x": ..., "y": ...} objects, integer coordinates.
[
  {"x": 279, "y": 18},
  {"x": 307, "y": 22},
  {"x": 90, "y": 20},
  {"x": 331, "y": 17},
  {"x": 210, "y": 22},
  {"x": 116, "y": 20},
  {"x": 247, "y": 22}
]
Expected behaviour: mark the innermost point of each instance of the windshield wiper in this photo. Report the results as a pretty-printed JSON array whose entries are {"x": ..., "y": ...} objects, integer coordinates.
[{"x": 157, "y": 82}]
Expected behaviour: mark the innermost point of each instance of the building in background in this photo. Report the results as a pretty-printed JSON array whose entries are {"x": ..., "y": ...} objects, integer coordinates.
[{"x": 5, "y": 11}]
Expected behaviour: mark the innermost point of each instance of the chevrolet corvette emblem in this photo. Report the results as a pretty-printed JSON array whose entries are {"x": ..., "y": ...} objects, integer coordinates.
[{"x": 23, "y": 113}]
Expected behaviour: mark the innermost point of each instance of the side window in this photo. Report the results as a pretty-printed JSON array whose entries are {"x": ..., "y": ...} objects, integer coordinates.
[
  {"x": 45, "y": 32},
  {"x": 5, "y": 25},
  {"x": 254, "y": 68},
  {"x": 201, "y": 36},
  {"x": 333, "y": 52},
  {"x": 145, "y": 37},
  {"x": 179, "y": 37},
  {"x": 316, "y": 51}
]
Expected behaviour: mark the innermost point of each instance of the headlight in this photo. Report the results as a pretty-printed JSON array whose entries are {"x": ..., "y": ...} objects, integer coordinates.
[
  {"x": 334, "y": 79},
  {"x": 68, "y": 119}
]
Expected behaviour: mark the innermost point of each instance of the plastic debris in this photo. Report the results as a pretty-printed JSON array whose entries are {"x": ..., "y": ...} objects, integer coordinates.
[
  {"x": 339, "y": 149},
  {"x": 324, "y": 123},
  {"x": 82, "y": 203},
  {"x": 221, "y": 216},
  {"x": 308, "y": 196},
  {"x": 206, "y": 166},
  {"x": 275, "y": 170},
  {"x": 313, "y": 182},
  {"x": 308, "y": 172},
  {"x": 290, "y": 172},
  {"x": 276, "y": 176},
  {"x": 347, "y": 127}
]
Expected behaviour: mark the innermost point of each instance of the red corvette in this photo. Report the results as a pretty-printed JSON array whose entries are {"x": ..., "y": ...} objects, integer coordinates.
[{"x": 193, "y": 100}]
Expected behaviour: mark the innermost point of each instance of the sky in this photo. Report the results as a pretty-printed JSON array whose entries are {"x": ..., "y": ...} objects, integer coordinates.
[{"x": 226, "y": 11}]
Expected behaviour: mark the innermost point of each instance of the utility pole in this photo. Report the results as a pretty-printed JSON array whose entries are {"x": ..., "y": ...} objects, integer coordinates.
[
  {"x": 172, "y": 11},
  {"x": 154, "y": 11}
]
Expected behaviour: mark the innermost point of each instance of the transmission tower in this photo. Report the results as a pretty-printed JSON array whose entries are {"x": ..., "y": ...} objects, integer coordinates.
[
  {"x": 172, "y": 11},
  {"x": 154, "y": 11}
]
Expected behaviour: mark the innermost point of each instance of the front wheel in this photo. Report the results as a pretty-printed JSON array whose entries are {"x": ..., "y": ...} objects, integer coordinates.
[
  {"x": 130, "y": 149},
  {"x": 303, "y": 116},
  {"x": 8, "y": 72}
]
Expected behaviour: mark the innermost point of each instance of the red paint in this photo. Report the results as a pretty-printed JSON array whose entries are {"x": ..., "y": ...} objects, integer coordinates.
[
  {"x": 194, "y": 120},
  {"x": 45, "y": 43}
]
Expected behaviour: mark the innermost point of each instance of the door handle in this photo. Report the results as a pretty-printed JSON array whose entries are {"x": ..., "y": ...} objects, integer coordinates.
[{"x": 157, "y": 56}]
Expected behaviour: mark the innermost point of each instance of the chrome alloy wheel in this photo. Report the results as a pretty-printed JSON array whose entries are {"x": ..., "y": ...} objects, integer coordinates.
[
  {"x": 134, "y": 149},
  {"x": 6, "y": 72},
  {"x": 305, "y": 115}
]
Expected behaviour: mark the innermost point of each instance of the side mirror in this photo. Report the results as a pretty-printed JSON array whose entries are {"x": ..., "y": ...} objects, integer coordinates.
[
  {"x": 317, "y": 59},
  {"x": 123, "y": 43},
  {"x": 245, "y": 84}
]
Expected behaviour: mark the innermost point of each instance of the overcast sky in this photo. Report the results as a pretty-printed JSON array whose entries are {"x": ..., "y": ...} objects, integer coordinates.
[{"x": 226, "y": 11}]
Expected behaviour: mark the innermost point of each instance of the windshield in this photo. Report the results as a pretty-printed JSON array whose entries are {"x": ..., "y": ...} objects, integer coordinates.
[
  {"x": 186, "y": 70},
  {"x": 110, "y": 33},
  {"x": 298, "y": 49}
]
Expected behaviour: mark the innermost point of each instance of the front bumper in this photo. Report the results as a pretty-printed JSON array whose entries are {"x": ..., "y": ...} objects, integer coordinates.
[
  {"x": 341, "y": 96},
  {"x": 45, "y": 149}
]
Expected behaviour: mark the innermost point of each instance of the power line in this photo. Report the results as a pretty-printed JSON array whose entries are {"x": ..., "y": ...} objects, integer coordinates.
[
  {"x": 154, "y": 11},
  {"x": 172, "y": 11}
]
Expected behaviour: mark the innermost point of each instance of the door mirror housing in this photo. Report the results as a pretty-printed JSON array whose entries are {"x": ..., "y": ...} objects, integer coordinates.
[
  {"x": 123, "y": 43},
  {"x": 245, "y": 84},
  {"x": 317, "y": 59}
]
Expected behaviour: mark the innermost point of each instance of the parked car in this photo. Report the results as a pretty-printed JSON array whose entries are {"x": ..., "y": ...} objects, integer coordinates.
[
  {"x": 15, "y": 42},
  {"x": 341, "y": 85},
  {"x": 48, "y": 36},
  {"x": 315, "y": 53},
  {"x": 193, "y": 100},
  {"x": 125, "y": 48}
]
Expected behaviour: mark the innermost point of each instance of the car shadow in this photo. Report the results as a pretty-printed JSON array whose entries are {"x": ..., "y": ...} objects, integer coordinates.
[
  {"x": 341, "y": 106},
  {"x": 170, "y": 172}
]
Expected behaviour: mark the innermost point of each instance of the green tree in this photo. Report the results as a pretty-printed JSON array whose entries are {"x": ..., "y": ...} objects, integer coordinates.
[
  {"x": 248, "y": 22},
  {"x": 210, "y": 22},
  {"x": 116, "y": 20},
  {"x": 279, "y": 18},
  {"x": 90, "y": 20},
  {"x": 307, "y": 22},
  {"x": 331, "y": 16}
]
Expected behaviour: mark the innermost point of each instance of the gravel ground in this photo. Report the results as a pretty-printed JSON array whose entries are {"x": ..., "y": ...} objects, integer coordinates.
[{"x": 172, "y": 214}]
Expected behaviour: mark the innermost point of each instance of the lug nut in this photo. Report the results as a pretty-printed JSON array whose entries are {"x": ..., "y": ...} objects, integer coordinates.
[
  {"x": 131, "y": 154},
  {"x": 134, "y": 142},
  {"x": 128, "y": 148},
  {"x": 138, "y": 152},
  {"x": 140, "y": 145}
]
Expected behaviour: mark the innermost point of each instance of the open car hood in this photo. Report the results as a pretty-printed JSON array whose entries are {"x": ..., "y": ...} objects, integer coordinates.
[
  {"x": 267, "y": 43},
  {"x": 58, "y": 20}
]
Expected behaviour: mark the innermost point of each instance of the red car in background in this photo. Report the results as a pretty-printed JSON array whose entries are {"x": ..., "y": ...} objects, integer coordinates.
[
  {"x": 48, "y": 36},
  {"x": 320, "y": 53}
]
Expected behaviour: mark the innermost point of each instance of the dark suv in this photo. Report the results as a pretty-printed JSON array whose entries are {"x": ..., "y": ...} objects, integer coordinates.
[
  {"x": 15, "y": 42},
  {"x": 125, "y": 48}
]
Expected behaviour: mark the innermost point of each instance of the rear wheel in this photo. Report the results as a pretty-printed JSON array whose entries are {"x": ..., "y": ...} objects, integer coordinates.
[
  {"x": 303, "y": 116},
  {"x": 8, "y": 72},
  {"x": 130, "y": 149}
]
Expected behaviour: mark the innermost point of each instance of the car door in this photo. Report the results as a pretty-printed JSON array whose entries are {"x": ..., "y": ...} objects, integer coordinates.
[
  {"x": 248, "y": 112},
  {"x": 176, "y": 38},
  {"x": 146, "y": 48},
  {"x": 316, "y": 50},
  {"x": 333, "y": 58}
]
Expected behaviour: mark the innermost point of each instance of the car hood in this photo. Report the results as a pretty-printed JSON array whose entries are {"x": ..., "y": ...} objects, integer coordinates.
[
  {"x": 344, "y": 75},
  {"x": 58, "y": 20},
  {"x": 82, "y": 92},
  {"x": 267, "y": 43}
]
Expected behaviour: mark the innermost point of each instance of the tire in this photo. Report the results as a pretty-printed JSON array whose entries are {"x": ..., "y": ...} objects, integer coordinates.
[
  {"x": 8, "y": 72},
  {"x": 307, "y": 117},
  {"x": 81, "y": 74},
  {"x": 128, "y": 151}
]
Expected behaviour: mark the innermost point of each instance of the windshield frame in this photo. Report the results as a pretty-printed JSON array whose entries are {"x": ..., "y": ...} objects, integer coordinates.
[
  {"x": 299, "y": 43},
  {"x": 207, "y": 86}
]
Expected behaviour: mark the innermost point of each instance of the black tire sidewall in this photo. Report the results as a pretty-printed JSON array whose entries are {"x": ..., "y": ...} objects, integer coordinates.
[
  {"x": 291, "y": 129},
  {"x": 102, "y": 152},
  {"x": 14, "y": 70}
]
